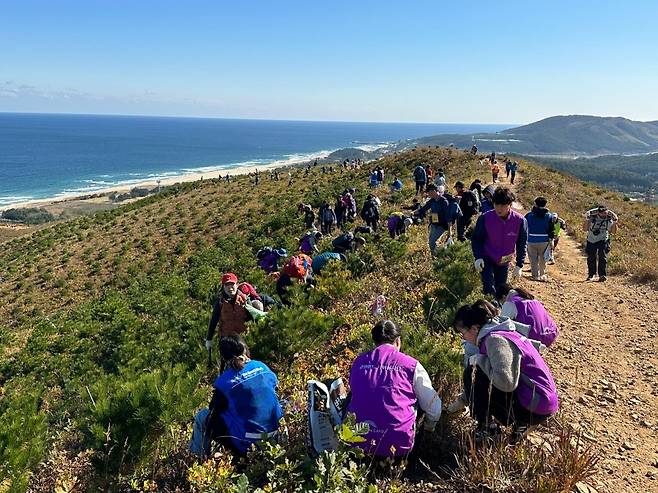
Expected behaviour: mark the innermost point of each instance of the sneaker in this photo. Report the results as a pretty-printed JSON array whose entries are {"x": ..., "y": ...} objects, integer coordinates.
[
  {"x": 590, "y": 278},
  {"x": 487, "y": 434},
  {"x": 602, "y": 279},
  {"x": 551, "y": 261},
  {"x": 535, "y": 278},
  {"x": 519, "y": 433}
]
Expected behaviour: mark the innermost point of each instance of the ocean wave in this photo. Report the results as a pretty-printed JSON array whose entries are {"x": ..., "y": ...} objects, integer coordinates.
[{"x": 12, "y": 199}]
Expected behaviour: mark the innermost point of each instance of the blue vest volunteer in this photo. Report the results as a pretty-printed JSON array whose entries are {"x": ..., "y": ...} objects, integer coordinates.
[{"x": 540, "y": 225}]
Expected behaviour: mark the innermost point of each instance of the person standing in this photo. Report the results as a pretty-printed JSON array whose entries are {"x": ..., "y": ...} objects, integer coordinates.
[
  {"x": 438, "y": 207},
  {"x": 370, "y": 212},
  {"x": 229, "y": 310},
  {"x": 514, "y": 167},
  {"x": 469, "y": 205},
  {"x": 498, "y": 235},
  {"x": 420, "y": 177},
  {"x": 599, "y": 223},
  {"x": 541, "y": 229},
  {"x": 495, "y": 169}
]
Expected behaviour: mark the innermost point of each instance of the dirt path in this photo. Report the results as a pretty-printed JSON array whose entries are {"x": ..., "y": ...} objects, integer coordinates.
[{"x": 606, "y": 367}]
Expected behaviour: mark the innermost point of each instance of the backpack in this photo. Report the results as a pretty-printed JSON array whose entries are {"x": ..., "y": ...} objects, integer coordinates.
[
  {"x": 420, "y": 174},
  {"x": 380, "y": 175},
  {"x": 454, "y": 212},
  {"x": 369, "y": 210},
  {"x": 328, "y": 215},
  {"x": 260, "y": 254},
  {"x": 306, "y": 243},
  {"x": 298, "y": 266}
]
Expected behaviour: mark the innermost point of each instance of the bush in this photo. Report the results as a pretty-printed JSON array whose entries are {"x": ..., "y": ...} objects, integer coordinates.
[{"x": 28, "y": 215}]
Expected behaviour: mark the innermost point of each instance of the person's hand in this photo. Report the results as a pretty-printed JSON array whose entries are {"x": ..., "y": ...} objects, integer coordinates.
[
  {"x": 456, "y": 406},
  {"x": 208, "y": 344},
  {"x": 516, "y": 275},
  {"x": 479, "y": 265},
  {"x": 473, "y": 359}
]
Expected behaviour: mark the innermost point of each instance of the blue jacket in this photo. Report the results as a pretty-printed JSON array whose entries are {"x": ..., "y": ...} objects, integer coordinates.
[
  {"x": 252, "y": 405},
  {"x": 439, "y": 211},
  {"x": 319, "y": 261},
  {"x": 541, "y": 225}
]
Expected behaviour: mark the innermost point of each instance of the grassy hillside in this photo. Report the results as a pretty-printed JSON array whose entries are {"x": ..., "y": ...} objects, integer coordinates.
[
  {"x": 621, "y": 173},
  {"x": 103, "y": 320}
]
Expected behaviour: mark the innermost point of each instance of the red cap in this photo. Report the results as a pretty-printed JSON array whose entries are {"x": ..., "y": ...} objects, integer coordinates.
[{"x": 229, "y": 277}]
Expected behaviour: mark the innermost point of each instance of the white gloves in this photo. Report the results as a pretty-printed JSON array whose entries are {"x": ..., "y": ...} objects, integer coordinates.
[
  {"x": 456, "y": 406},
  {"x": 479, "y": 265},
  {"x": 516, "y": 275},
  {"x": 208, "y": 344},
  {"x": 473, "y": 359}
]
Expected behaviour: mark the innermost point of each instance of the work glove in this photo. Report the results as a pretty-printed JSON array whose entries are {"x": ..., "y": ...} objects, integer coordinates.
[
  {"x": 479, "y": 265},
  {"x": 516, "y": 275},
  {"x": 456, "y": 406},
  {"x": 208, "y": 344},
  {"x": 429, "y": 425},
  {"x": 473, "y": 359}
]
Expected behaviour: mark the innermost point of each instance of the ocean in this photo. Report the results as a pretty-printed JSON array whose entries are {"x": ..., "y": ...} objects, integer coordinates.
[{"x": 45, "y": 156}]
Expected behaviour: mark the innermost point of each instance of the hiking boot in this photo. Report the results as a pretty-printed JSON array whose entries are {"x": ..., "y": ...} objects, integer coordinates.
[{"x": 602, "y": 279}]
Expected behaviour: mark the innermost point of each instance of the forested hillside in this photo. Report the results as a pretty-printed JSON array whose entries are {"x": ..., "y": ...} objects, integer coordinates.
[{"x": 103, "y": 320}]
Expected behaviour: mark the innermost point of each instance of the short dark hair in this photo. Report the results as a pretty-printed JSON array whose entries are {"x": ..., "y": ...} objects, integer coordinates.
[
  {"x": 431, "y": 187},
  {"x": 385, "y": 332},
  {"x": 503, "y": 196},
  {"x": 541, "y": 201},
  {"x": 459, "y": 184}
]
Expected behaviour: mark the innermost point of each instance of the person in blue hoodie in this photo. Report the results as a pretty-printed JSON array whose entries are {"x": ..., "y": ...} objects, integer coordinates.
[{"x": 244, "y": 408}]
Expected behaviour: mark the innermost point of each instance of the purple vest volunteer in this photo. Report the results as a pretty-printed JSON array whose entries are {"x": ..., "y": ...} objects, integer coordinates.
[
  {"x": 502, "y": 234},
  {"x": 533, "y": 313},
  {"x": 536, "y": 390},
  {"x": 383, "y": 396}
]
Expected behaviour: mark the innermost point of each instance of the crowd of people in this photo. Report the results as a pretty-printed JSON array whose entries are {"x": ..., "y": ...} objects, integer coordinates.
[{"x": 506, "y": 381}]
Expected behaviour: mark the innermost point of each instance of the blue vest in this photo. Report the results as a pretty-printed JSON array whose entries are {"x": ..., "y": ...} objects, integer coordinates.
[
  {"x": 253, "y": 407},
  {"x": 538, "y": 227}
]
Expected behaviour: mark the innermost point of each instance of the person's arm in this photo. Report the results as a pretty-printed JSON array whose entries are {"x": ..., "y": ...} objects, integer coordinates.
[
  {"x": 478, "y": 237},
  {"x": 509, "y": 310},
  {"x": 522, "y": 243},
  {"x": 428, "y": 400},
  {"x": 502, "y": 363},
  {"x": 423, "y": 209},
  {"x": 214, "y": 318},
  {"x": 218, "y": 404},
  {"x": 612, "y": 227}
]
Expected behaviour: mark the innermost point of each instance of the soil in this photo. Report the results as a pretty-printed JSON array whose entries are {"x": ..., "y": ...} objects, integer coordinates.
[{"x": 605, "y": 365}]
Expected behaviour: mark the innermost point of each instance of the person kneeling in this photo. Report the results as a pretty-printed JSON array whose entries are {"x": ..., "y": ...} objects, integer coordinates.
[
  {"x": 507, "y": 379},
  {"x": 244, "y": 408},
  {"x": 386, "y": 387}
]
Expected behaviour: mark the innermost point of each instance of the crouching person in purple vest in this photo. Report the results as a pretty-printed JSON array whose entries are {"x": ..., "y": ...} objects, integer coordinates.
[
  {"x": 387, "y": 387},
  {"x": 507, "y": 379},
  {"x": 499, "y": 236},
  {"x": 521, "y": 306},
  {"x": 244, "y": 408}
]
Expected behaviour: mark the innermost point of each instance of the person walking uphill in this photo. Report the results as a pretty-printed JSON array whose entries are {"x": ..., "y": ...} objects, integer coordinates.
[
  {"x": 469, "y": 205},
  {"x": 387, "y": 387},
  {"x": 497, "y": 236},
  {"x": 541, "y": 229},
  {"x": 229, "y": 310},
  {"x": 599, "y": 223},
  {"x": 507, "y": 379},
  {"x": 370, "y": 212},
  {"x": 438, "y": 207},
  {"x": 420, "y": 177}
]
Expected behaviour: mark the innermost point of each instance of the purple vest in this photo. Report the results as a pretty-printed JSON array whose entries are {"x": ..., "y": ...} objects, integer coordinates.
[
  {"x": 501, "y": 236},
  {"x": 383, "y": 396},
  {"x": 533, "y": 313},
  {"x": 536, "y": 390}
]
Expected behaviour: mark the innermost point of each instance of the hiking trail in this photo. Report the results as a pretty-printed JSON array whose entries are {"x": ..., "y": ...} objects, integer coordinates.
[{"x": 605, "y": 365}]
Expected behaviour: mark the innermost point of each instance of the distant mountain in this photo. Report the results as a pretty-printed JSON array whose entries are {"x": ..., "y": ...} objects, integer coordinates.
[{"x": 578, "y": 135}]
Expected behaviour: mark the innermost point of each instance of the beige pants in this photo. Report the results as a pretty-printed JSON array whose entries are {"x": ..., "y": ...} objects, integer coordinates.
[{"x": 536, "y": 256}]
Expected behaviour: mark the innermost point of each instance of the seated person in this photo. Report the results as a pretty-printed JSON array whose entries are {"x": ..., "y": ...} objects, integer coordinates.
[
  {"x": 244, "y": 407},
  {"x": 387, "y": 386},
  {"x": 507, "y": 379}
]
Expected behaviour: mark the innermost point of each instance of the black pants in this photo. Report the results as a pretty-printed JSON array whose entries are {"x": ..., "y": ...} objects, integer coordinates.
[
  {"x": 598, "y": 249},
  {"x": 372, "y": 223},
  {"x": 513, "y": 175},
  {"x": 327, "y": 228},
  {"x": 486, "y": 401},
  {"x": 462, "y": 225},
  {"x": 420, "y": 186}
]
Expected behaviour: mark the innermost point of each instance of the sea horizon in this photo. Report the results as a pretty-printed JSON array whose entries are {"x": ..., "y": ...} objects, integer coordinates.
[{"x": 50, "y": 156}]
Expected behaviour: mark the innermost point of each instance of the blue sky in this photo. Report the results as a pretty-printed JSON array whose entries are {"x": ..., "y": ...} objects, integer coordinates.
[{"x": 423, "y": 61}]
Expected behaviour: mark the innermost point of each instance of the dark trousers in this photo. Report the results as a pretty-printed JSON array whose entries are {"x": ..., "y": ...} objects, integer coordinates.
[
  {"x": 372, "y": 223},
  {"x": 598, "y": 249},
  {"x": 462, "y": 225},
  {"x": 420, "y": 186},
  {"x": 326, "y": 228},
  {"x": 493, "y": 276},
  {"x": 513, "y": 175},
  {"x": 486, "y": 401}
]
